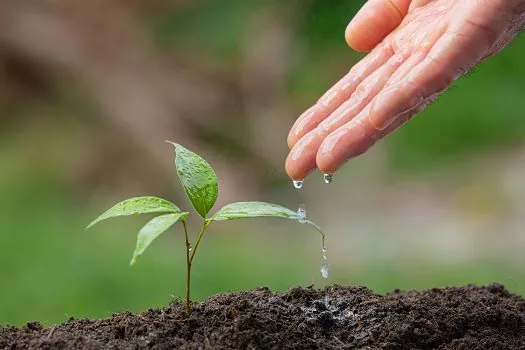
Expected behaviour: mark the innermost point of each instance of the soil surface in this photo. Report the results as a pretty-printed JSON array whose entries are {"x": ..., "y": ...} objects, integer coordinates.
[{"x": 337, "y": 317}]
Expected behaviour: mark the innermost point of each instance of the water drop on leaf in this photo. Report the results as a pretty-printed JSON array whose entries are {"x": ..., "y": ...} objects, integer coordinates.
[{"x": 301, "y": 213}]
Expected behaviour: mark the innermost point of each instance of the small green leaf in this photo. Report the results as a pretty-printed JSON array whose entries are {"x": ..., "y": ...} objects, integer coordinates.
[
  {"x": 240, "y": 210},
  {"x": 243, "y": 210},
  {"x": 137, "y": 205},
  {"x": 152, "y": 230},
  {"x": 198, "y": 179}
]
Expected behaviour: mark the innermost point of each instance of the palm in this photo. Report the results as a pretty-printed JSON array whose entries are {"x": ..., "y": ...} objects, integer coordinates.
[{"x": 435, "y": 43}]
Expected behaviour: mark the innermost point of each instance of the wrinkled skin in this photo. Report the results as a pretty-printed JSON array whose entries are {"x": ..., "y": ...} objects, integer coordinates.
[{"x": 419, "y": 47}]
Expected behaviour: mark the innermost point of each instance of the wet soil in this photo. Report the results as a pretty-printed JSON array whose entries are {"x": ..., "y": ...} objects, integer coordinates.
[{"x": 337, "y": 317}]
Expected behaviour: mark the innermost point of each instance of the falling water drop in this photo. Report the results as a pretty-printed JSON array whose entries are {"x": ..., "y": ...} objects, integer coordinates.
[
  {"x": 298, "y": 183},
  {"x": 324, "y": 270},
  {"x": 301, "y": 213},
  {"x": 328, "y": 178},
  {"x": 324, "y": 267}
]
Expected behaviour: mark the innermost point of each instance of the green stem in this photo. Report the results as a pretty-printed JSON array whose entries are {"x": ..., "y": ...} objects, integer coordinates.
[
  {"x": 204, "y": 226},
  {"x": 188, "y": 269}
]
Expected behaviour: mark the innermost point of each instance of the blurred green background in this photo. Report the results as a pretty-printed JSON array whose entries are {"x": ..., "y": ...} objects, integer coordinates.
[{"x": 89, "y": 91}]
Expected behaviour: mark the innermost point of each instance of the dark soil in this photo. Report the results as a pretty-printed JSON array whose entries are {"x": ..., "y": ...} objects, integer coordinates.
[{"x": 303, "y": 318}]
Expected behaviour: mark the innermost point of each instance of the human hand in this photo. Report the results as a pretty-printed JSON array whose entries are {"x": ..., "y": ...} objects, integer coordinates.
[{"x": 419, "y": 48}]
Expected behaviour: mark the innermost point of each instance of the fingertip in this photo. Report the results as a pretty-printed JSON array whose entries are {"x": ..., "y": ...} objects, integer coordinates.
[
  {"x": 326, "y": 166},
  {"x": 297, "y": 171},
  {"x": 325, "y": 161},
  {"x": 329, "y": 163},
  {"x": 357, "y": 40},
  {"x": 347, "y": 142},
  {"x": 301, "y": 160},
  {"x": 375, "y": 20},
  {"x": 327, "y": 155}
]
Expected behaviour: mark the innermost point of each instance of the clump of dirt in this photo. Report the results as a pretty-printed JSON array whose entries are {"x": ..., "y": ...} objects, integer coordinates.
[{"x": 338, "y": 317}]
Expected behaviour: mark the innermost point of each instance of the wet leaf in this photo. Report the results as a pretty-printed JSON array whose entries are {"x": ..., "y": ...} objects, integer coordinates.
[
  {"x": 198, "y": 179},
  {"x": 152, "y": 230},
  {"x": 137, "y": 205},
  {"x": 244, "y": 210}
]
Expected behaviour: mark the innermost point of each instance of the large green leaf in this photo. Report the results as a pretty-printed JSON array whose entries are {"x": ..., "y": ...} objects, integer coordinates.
[
  {"x": 152, "y": 230},
  {"x": 243, "y": 210},
  {"x": 197, "y": 178},
  {"x": 137, "y": 205}
]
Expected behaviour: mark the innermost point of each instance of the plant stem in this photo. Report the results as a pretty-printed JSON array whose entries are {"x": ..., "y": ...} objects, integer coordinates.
[
  {"x": 204, "y": 226},
  {"x": 188, "y": 270},
  {"x": 189, "y": 260}
]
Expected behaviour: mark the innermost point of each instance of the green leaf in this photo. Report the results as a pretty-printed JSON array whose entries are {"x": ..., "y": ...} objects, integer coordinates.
[
  {"x": 243, "y": 210},
  {"x": 152, "y": 230},
  {"x": 198, "y": 179},
  {"x": 137, "y": 205}
]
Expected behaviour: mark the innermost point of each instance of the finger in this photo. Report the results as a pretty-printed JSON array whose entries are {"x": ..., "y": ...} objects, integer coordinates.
[
  {"x": 375, "y": 20},
  {"x": 301, "y": 160},
  {"x": 340, "y": 92},
  {"x": 418, "y": 3},
  {"x": 363, "y": 95},
  {"x": 348, "y": 141},
  {"x": 452, "y": 55},
  {"x": 423, "y": 46},
  {"x": 355, "y": 138}
]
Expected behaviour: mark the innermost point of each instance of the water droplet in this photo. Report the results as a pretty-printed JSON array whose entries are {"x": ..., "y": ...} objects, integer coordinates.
[
  {"x": 190, "y": 247},
  {"x": 301, "y": 213},
  {"x": 297, "y": 183},
  {"x": 328, "y": 178},
  {"x": 324, "y": 267},
  {"x": 324, "y": 270}
]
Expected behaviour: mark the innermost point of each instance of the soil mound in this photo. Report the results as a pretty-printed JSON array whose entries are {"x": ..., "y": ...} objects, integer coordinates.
[{"x": 338, "y": 317}]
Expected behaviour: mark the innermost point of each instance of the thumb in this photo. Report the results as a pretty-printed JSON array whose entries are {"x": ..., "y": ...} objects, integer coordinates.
[{"x": 375, "y": 20}]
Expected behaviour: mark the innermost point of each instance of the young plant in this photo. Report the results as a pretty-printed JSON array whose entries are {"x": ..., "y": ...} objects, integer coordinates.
[{"x": 200, "y": 184}]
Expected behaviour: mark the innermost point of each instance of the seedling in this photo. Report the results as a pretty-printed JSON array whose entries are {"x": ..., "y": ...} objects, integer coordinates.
[{"x": 200, "y": 184}]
